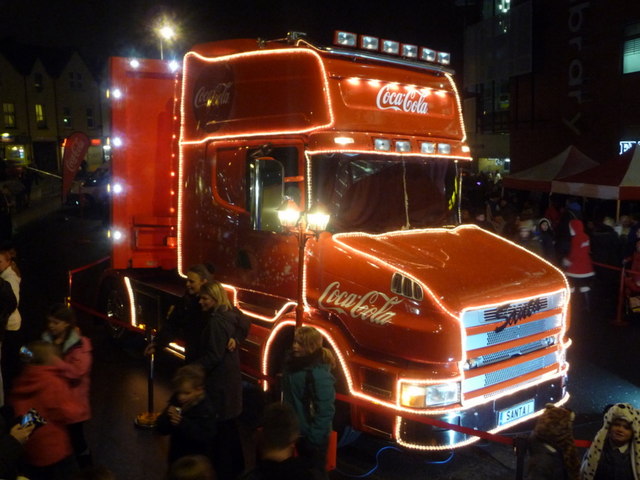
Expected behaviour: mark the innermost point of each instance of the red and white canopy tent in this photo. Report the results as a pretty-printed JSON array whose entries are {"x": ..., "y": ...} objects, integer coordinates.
[
  {"x": 615, "y": 179},
  {"x": 540, "y": 177}
]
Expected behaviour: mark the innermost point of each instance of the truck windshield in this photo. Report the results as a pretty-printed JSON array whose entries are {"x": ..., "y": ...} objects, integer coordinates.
[{"x": 375, "y": 193}]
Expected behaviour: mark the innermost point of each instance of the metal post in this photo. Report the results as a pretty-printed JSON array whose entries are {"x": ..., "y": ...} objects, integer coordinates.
[
  {"x": 520, "y": 448},
  {"x": 148, "y": 419},
  {"x": 302, "y": 240}
]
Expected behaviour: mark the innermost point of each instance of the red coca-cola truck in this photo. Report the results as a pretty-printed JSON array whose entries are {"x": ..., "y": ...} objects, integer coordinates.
[{"x": 426, "y": 316}]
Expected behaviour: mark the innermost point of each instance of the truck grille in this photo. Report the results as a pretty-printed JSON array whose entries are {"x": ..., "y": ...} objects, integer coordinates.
[{"x": 519, "y": 331}]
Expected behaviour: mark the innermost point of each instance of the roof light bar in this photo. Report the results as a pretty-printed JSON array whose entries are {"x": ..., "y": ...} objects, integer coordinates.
[
  {"x": 409, "y": 51},
  {"x": 346, "y": 39},
  {"x": 390, "y": 46},
  {"x": 444, "y": 58},
  {"x": 368, "y": 42},
  {"x": 427, "y": 54}
]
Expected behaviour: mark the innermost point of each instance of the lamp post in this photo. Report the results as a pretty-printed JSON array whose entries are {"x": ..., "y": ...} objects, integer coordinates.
[
  {"x": 165, "y": 32},
  {"x": 305, "y": 225}
]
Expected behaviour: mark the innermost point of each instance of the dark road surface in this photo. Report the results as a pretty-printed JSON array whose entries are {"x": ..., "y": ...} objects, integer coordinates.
[{"x": 603, "y": 370}]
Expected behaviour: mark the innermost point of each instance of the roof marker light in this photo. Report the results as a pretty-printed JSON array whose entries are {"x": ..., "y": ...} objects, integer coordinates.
[
  {"x": 427, "y": 54},
  {"x": 444, "y": 58},
  {"x": 383, "y": 144},
  {"x": 346, "y": 39},
  {"x": 134, "y": 63},
  {"x": 174, "y": 66},
  {"x": 427, "y": 147},
  {"x": 444, "y": 148},
  {"x": 368, "y": 42},
  {"x": 403, "y": 146},
  {"x": 409, "y": 51},
  {"x": 390, "y": 46},
  {"x": 344, "y": 140}
]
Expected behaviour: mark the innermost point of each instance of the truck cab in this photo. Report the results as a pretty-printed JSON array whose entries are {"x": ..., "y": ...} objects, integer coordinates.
[{"x": 427, "y": 317}]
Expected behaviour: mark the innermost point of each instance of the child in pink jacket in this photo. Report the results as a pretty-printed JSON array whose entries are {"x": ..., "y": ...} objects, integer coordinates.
[
  {"x": 74, "y": 366},
  {"x": 48, "y": 451}
]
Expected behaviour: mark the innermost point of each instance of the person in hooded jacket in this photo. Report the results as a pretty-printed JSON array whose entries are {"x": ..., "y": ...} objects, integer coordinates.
[
  {"x": 309, "y": 387},
  {"x": 546, "y": 238},
  {"x": 49, "y": 453},
  {"x": 74, "y": 366},
  {"x": 577, "y": 264},
  {"x": 614, "y": 453}
]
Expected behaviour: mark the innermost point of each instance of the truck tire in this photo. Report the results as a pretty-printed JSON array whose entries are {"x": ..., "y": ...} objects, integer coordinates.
[{"x": 115, "y": 306}]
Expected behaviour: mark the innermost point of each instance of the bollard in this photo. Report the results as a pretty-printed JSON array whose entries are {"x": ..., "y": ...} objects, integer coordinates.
[
  {"x": 619, "y": 321},
  {"x": 520, "y": 446},
  {"x": 148, "y": 419}
]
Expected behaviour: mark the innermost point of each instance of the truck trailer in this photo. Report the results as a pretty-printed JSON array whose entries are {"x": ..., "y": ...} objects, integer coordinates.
[{"x": 426, "y": 316}]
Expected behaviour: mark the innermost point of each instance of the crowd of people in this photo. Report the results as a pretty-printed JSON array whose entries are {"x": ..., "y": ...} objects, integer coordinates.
[
  {"x": 580, "y": 237},
  {"x": 47, "y": 386}
]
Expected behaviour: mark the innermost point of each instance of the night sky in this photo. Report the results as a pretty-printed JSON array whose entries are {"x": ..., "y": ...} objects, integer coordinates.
[{"x": 125, "y": 27}]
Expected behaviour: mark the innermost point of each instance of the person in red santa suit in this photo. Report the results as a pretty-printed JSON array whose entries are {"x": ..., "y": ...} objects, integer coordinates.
[{"x": 577, "y": 264}]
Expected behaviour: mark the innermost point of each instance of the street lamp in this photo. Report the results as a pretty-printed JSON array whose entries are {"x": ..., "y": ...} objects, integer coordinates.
[
  {"x": 305, "y": 225},
  {"x": 165, "y": 32}
]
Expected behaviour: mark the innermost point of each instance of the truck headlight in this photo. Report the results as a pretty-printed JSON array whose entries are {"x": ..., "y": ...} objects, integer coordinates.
[{"x": 422, "y": 396}]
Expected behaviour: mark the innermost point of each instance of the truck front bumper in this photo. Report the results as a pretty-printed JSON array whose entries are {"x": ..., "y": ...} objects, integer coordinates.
[{"x": 493, "y": 416}]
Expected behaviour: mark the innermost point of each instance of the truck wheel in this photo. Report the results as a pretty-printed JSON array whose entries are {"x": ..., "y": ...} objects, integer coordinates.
[{"x": 116, "y": 307}]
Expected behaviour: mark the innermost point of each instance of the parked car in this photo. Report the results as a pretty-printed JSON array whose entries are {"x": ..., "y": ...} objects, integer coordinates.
[{"x": 93, "y": 190}]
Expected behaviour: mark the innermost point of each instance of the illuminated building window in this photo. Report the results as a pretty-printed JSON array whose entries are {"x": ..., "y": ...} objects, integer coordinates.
[
  {"x": 66, "y": 117},
  {"x": 91, "y": 123},
  {"x": 9, "y": 113},
  {"x": 41, "y": 120},
  {"x": 631, "y": 51}
]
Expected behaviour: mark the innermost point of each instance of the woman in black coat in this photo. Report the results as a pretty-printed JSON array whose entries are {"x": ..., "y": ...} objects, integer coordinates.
[{"x": 224, "y": 379}]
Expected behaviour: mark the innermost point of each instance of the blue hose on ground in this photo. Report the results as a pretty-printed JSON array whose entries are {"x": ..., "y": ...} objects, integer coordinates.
[{"x": 375, "y": 467}]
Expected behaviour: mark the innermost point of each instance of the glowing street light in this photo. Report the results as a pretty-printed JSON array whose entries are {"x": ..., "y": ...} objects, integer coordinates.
[
  {"x": 305, "y": 225},
  {"x": 165, "y": 32}
]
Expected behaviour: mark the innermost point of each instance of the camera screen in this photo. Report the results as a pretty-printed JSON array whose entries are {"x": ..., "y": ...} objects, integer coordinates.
[{"x": 27, "y": 418}]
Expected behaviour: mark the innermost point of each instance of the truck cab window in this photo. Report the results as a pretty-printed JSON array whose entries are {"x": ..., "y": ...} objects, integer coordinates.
[
  {"x": 270, "y": 178},
  {"x": 418, "y": 192}
]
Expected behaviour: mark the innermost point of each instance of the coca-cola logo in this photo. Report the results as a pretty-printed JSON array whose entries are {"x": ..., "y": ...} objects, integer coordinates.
[
  {"x": 213, "y": 95},
  {"x": 373, "y": 306},
  {"x": 412, "y": 101}
]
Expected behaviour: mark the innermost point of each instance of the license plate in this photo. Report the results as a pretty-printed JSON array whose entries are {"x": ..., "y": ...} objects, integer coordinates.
[{"x": 512, "y": 414}]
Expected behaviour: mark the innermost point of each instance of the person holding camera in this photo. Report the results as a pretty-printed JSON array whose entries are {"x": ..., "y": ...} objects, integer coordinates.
[
  {"x": 40, "y": 391},
  {"x": 74, "y": 366},
  {"x": 12, "y": 446}
]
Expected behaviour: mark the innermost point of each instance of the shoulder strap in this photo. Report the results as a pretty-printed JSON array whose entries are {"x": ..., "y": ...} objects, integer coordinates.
[{"x": 309, "y": 395}]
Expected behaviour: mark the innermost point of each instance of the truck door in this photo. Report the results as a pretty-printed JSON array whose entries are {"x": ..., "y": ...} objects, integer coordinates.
[{"x": 249, "y": 184}]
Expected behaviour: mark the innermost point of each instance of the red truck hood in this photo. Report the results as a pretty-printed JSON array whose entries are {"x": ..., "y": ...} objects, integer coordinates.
[
  {"x": 461, "y": 267},
  {"x": 351, "y": 275}
]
